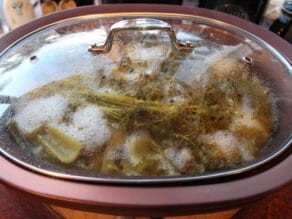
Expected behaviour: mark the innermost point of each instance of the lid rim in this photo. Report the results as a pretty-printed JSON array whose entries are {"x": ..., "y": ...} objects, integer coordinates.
[{"x": 205, "y": 20}]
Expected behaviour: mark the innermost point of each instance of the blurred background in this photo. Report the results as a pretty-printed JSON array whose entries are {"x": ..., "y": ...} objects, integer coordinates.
[{"x": 271, "y": 14}]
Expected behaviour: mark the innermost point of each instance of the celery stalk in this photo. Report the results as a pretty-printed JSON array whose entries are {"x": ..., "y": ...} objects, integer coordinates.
[{"x": 65, "y": 148}]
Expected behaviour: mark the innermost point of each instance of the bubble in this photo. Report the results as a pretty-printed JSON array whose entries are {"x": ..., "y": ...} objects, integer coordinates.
[
  {"x": 178, "y": 157},
  {"x": 31, "y": 115},
  {"x": 89, "y": 127}
]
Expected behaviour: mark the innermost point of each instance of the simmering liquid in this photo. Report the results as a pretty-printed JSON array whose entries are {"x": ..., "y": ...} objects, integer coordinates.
[{"x": 142, "y": 119}]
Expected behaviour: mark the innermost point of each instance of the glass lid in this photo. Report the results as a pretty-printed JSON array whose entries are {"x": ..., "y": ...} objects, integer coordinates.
[{"x": 158, "y": 98}]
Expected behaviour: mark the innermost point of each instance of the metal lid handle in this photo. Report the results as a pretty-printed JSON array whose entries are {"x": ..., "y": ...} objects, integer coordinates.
[{"x": 140, "y": 24}]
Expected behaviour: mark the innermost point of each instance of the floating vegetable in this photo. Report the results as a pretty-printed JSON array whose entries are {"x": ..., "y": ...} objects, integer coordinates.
[{"x": 63, "y": 147}]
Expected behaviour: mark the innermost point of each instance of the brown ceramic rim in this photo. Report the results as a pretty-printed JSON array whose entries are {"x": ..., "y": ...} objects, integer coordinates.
[
  {"x": 20, "y": 158},
  {"x": 166, "y": 200}
]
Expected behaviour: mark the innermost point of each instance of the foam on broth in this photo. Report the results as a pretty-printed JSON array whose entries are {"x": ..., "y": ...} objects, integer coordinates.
[{"x": 134, "y": 121}]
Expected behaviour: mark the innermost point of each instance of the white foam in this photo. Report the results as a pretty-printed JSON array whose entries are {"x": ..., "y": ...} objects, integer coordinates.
[
  {"x": 228, "y": 145},
  {"x": 168, "y": 168},
  {"x": 89, "y": 127},
  {"x": 39, "y": 111},
  {"x": 117, "y": 153},
  {"x": 106, "y": 90},
  {"x": 178, "y": 98},
  {"x": 134, "y": 76},
  {"x": 244, "y": 117},
  {"x": 245, "y": 154},
  {"x": 139, "y": 52},
  {"x": 153, "y": 56},
  {"x": 179, "y": 158}
]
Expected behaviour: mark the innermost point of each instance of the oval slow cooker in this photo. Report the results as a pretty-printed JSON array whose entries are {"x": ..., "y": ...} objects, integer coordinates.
[{"x": 56, "y": 46}]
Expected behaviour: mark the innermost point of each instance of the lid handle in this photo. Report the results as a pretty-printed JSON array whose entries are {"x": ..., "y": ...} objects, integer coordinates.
[{"x": 140, "y": 24}]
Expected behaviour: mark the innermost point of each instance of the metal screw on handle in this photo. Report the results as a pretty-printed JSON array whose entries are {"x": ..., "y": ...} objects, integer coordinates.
[{"x": 140, "y": 24}]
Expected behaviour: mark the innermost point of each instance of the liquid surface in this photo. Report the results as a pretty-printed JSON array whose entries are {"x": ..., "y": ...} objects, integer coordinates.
[{"x": 144, "y": 118}]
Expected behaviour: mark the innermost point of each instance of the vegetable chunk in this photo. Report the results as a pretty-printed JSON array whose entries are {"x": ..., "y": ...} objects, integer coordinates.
[{"x": 65, "y": 148}]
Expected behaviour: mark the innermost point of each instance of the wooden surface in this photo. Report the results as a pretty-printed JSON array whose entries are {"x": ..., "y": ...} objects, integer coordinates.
[
  {"x": 74, "y": 214},
  {"x": 275, "y": 206},
  {"x": 15, "y": 205}
]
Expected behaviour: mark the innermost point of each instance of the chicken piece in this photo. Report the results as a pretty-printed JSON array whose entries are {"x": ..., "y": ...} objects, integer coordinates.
[
  {"x": 137, "y": 154},
  {"x": 244, "y": 116},
  {"x": 226, "y": 67},
  {"x": 233, "y": 150}
]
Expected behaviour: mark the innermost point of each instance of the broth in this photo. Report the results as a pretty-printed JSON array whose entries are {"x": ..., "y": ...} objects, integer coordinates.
[{"x": 140, "y": 119}]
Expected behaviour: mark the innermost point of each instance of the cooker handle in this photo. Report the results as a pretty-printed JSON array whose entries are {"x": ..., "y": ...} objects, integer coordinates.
[{"x": 140, "y": 24}]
